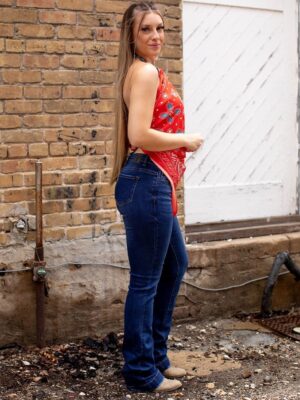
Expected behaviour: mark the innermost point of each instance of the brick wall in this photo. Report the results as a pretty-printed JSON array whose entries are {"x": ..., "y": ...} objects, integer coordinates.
[{"x": 58, "y": 60}]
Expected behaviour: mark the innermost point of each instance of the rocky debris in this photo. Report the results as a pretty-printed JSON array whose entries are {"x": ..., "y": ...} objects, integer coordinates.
[{"x": 225, "y": 359}]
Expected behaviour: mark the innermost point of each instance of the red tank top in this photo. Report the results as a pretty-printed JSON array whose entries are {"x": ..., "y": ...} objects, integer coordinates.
[{"x": 168, "y": 116}]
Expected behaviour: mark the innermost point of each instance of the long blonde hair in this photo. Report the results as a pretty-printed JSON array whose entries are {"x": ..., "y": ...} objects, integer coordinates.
[{"x": 125, "y": 59}]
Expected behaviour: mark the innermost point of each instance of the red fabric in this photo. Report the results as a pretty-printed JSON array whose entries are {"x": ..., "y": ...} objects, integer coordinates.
[{"x": 168, "y": 116}]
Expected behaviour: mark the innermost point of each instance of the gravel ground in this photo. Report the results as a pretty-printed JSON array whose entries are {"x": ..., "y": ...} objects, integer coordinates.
[{"x": 225, "y": 359}]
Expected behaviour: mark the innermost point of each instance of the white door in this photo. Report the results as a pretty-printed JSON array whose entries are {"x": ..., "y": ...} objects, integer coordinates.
[{"x": 240, "y": 93}]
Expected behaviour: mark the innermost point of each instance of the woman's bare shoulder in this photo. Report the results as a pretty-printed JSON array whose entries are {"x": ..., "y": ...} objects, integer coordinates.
[{"x": 144, "y": 73}]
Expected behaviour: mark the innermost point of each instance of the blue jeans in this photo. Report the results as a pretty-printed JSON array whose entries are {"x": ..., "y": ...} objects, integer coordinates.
[{"x": 158, "y": 261}]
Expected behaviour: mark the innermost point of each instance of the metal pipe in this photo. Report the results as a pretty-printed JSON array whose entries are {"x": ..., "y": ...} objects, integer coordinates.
[
  {"x": 39, "y": 271},
  {"x": 280, "y": 259},
  {"x": 39, "y": 251}
]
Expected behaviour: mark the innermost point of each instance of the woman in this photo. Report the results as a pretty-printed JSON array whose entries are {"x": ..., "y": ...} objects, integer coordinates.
[{"x": 149, "y": 112}]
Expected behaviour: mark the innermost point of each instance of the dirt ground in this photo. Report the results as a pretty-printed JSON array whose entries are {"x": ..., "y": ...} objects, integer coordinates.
[{"x": 225, "y": 359}]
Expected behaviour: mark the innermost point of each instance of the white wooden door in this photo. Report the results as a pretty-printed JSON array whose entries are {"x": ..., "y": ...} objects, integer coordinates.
[{"x": 240, "y": 93}]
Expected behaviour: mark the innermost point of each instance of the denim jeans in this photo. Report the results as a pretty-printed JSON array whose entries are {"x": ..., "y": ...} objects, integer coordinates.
[{"x": 158, "y": 261}]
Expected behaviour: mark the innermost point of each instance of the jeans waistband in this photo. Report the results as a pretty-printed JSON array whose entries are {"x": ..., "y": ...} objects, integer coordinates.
[{"x": 143, "y": 160}]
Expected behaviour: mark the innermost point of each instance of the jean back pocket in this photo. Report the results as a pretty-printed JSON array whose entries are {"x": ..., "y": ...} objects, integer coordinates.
[{"x": 124, "y": 190}]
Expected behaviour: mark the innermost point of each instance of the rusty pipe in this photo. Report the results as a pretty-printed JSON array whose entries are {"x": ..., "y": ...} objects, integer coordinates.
[
  {"x": 39, "y": 271},
  {"x": 39, "y": 251}
]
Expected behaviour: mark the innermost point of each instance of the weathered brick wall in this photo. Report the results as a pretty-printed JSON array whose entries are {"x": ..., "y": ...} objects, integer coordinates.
[{"x": 58, "y": 60}]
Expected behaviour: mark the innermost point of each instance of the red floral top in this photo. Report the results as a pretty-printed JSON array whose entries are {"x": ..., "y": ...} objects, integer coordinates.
[{"x": 168, "y": 116}]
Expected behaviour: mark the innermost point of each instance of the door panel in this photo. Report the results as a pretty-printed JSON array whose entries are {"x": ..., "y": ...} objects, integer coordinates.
[{"x": 240, "y": 93}]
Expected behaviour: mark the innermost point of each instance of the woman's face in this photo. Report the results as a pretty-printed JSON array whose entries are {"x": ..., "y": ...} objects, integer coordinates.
[{"x": 148, "y": 33}]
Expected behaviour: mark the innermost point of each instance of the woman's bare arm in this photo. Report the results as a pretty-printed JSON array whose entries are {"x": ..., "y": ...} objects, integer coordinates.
[{"x": 144, "y": 83}]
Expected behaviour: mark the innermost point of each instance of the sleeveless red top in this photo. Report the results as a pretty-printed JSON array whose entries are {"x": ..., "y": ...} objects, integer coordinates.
[{"x": 168, "y": 116}]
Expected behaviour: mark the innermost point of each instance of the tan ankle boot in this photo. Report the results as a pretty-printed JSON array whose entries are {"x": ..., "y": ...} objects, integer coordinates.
[
  {"x": 168, "y": 385},
  {"x": 174, "y": 372}
]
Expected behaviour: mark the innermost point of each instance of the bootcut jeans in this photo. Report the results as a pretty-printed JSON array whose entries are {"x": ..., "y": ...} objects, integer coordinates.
[{"x": 158, "y": 260}]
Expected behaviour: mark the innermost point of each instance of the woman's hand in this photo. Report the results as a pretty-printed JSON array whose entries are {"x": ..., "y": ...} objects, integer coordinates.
[{"x": 193, "y": 141}]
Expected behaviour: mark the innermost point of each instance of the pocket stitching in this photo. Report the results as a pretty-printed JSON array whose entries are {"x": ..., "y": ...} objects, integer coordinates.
[{"x": 129, "y": 200}]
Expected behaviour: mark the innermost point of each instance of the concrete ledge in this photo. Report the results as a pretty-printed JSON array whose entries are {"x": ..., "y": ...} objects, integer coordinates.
[
  {"x": 233, "y": 262},
  {"x": 89, "y": 300}
]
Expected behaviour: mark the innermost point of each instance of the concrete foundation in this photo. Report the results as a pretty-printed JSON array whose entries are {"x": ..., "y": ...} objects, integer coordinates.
[{"x": 87, "y": 299}]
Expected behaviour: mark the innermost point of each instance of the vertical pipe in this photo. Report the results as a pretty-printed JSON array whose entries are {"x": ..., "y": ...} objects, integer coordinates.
[
  {"x": 39, "y": 251},
  {"x": 38, "y": 257}
]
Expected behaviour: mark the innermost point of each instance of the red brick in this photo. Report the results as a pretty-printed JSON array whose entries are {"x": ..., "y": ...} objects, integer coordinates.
[
  {"x": 79, "y": 62},
  {"x": 10, "y": 92},
  {"x": 3, "y": 151},
  {"x": 92, "y": 47},
  {"x": 99, "y": 217},
  {"x": 105, "y": 119},
  {"x": 105, "y": 175},
  {"x": 109, "y": 202},
  {"x": 6, "y": 30},
  {"x": 51, "y": 235},
  {"x": 51, "y": 179},
  {"x": 96, "y": 134},
  {"x": 25, "y": 136},
  {"x": 23, "y": 106},
  {"x": 36, "y": 121},
  {"x": 108, "y": 34},
  {"x": 106, "y": 189},
  {"x": 36, "y": 3},
  {"x": 58, "y": 17},
  {"x": 58, "y": 149},
  {"x": 107, "y": 92},
  {"x": 108, "y": 6},
  {"x": 41, "y": 61},
  {"x": 17, "y": 15},
  {"x": 112, "y": 49},
  {"x": 109, "y": 64},
  {"x": 51, "y": 164},
  {"x": 98, "y": 106},
  {"x": 91, "y": 162},
  {"x": 74, "y": 32},
  {"x": 15, "y": 46},
  {"x": 86, "y": 5},
  {"x": 81, "y": 92},
  {"x": 10, "y": 121},
  {"x": 6, "y": 2},
  {"x": 35, "y": 31},
  {"x": 17, "y": 195},
  {"x": 42, "y": 92},
  {"x": 97, "y": 77},
  {"x": 62, "y": 106},
  {"x": 38, "y": 150},
  {"x": 73, "y": 178},
  {"x": 65, "y": 134},
  {"x": 74, "y": 47},
  {"x": 62, "y": 219},
  {"x": 18, "y": 180},
  {"x": 21, "y": 76},
  {"x": 11, "y": 166},
  {"x": 49, "y": 207},
  {"x": 83, "y": 232},
  {"x": 45, "y": 46},
  {"x": 61, "y": 192},
  {"x": 61, "y": 77},
  {"x": 17, "y": 151},
  {"x": 90, "y": 190},
  {"x": 83, "y": 204},
  {"x": 5, "y": 181},
  {"x": 10, "y": 60},
  {"x": 75, "y": 120},
  {"x": 78, "y": 149},
  {"x": 5, "y": 210}
]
